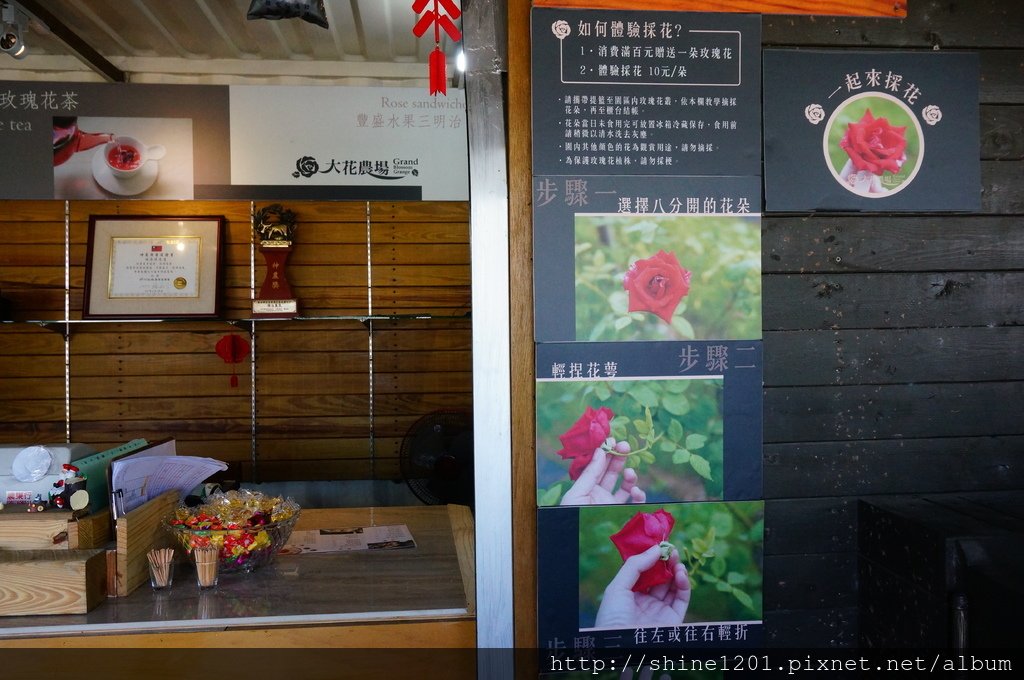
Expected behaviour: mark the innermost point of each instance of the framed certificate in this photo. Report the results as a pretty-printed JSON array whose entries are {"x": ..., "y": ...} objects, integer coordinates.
[{"x": 144, "y": 267}]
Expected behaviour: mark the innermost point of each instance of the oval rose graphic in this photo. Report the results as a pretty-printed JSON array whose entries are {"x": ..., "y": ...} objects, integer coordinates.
[{"x": 873, "y": 145}]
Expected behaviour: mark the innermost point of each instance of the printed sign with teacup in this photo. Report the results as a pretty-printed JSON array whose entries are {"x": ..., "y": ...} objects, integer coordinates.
[
  {"x": 126, "y": 166},
  {"x": 126, "y": 156},
  {"x": 68, "y": 139}
]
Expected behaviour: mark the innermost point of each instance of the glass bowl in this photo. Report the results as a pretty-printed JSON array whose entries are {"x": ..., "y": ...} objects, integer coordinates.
[
  {"x": 241, "y": 550},
  {"x": 248, "y": 528}
]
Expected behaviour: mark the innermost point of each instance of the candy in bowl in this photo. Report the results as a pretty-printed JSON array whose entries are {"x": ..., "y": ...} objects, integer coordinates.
[{"x": 248, "y": 528}]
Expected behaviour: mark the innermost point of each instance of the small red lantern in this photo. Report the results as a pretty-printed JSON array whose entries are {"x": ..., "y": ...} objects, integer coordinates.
[{"x": 233, "y": 349}]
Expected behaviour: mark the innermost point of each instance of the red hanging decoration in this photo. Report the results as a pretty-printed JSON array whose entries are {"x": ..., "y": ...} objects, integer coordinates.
[
  {"x": 438, "y": 73},
  {"x": 233, "y": 349},
  {"x": 437, "y": 63}
]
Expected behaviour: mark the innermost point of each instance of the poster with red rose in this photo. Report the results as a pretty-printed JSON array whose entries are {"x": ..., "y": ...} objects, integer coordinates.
[
  {"x": 648, "y": 422},
  {"x": 871, "y": 131},
  {"x": 675, "y": 576},
  {"x": 639, "y": 259}
]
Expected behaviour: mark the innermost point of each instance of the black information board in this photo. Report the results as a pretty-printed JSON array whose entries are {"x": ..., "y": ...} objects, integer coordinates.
[{"x": 646, "y": 93}]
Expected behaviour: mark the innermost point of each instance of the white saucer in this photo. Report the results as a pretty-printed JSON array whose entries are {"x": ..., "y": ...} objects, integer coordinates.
[{"x": 136, "y": 184}]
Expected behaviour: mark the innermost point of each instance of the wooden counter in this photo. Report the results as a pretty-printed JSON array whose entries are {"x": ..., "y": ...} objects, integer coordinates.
[{"x": 417, "y": 597}]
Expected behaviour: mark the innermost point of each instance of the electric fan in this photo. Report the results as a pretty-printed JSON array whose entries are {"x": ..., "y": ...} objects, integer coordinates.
[{"x": 437, "y": 458}]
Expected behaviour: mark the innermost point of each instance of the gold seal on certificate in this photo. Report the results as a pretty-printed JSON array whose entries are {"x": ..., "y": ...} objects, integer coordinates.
[{"x": 275, "y": 226}]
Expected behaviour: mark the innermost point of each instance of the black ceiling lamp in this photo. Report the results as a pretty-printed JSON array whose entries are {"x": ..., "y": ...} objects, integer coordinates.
[
  {"x": 307, "y": 10},
  {"x": 11, "y": 40}
]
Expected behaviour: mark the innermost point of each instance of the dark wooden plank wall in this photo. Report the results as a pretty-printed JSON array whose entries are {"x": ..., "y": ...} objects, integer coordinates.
[
  {"x": 320, "y": 413},
  {"x": 892, "y": 342}
]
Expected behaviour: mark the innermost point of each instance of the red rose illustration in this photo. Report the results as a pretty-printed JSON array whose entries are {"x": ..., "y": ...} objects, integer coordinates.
[
  {"x": 875, "y": 145},
  {"x": 586, "y": 434},
  {"x": 642, "y": 531},
  {"x": 656, "y": 285}
]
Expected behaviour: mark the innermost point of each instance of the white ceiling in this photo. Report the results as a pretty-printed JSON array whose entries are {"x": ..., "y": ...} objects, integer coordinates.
[{"x": 211, "y": 41}]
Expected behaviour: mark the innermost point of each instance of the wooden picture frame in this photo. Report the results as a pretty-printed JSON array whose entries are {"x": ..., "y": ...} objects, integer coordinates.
[{"x": 153, "y": 267}]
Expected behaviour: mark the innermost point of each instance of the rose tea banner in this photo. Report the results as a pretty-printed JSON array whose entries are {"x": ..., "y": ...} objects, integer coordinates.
[
  {"x": 180, "y": 142},
  {"x": 871, "y": 131}
]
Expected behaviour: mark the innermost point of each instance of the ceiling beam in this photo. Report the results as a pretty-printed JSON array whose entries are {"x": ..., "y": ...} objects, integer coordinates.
[
  {"x": 74, "y": 42},
  {"x": 272, "y": 67}
]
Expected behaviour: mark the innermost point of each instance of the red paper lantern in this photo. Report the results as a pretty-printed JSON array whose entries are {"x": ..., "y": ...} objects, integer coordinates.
[{"x": 233, "y": 349}]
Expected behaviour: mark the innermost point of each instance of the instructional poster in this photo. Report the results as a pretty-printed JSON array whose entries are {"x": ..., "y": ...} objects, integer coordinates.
[
  {"x": 649, "y": 366},
  {"x": 646, "y": 93},
  {"x": 695, "y": 579},
  {"x": 646, "y": 422},
  {"x": 647, "y": 258}
]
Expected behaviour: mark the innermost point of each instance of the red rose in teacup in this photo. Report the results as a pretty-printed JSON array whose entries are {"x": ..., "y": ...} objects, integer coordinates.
[{"x": 125, "y": 156}]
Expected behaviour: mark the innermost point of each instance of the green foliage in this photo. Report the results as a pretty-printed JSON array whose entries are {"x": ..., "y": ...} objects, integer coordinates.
[
  {"x": 722, "y": 253},
  {"x": 720, "y": 543},
  {"x": 674, "y": 428}
]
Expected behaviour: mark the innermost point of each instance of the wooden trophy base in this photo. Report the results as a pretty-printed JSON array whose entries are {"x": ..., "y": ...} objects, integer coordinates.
[
  {"x": 275, "y": 299},
  {"x": 275, "y": 309}
]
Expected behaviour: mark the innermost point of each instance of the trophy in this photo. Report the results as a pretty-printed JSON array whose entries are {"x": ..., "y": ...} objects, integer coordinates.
[{"x": 275, "y": 226}]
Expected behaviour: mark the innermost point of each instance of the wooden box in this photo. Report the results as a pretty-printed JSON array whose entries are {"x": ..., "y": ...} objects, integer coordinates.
[
  {"x": 52, "y": 530},
  {"x": 51, "y": 581},
  {"x": 138, "y": 532}
]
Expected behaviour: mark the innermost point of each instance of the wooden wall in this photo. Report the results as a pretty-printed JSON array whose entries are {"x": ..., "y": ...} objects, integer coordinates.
[
  {"x": 319, "y": 412},
  {"x": 892, "y": 342}
]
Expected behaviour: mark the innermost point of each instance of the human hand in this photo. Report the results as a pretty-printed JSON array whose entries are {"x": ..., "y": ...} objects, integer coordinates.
[
  {"x": 662, "y": 605},
  {"x": 596, "y": 484}
]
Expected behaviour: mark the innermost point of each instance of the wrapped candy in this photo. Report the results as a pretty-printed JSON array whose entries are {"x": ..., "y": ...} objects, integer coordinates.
[{"x": 247, "y": 527}]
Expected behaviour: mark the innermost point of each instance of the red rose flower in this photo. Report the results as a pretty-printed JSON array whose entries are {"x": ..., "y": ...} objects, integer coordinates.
[
  {"x": 875, "y": 145},
  {"x": 656, "y": 285},
  {"x": 642, "y": 531},
  {"x": 586, "y": 434}
]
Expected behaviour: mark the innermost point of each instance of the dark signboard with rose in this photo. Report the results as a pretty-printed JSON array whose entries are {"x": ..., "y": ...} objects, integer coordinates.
[
  {"x": 648, "y": 422},
  {"x": 871, "y": 131},
  {"x": 650, "y": 576}
]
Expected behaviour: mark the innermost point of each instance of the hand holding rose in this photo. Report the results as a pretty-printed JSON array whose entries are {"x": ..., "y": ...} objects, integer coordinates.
[
  {"x": 662, "y": 605},
  {"x": 596, "y": 484}
]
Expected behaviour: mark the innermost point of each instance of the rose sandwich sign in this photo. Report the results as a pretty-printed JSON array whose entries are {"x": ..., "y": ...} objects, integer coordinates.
[{"x": 871, "y": 131}]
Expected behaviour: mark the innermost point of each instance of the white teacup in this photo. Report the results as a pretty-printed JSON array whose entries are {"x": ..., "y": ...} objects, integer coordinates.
[{"x": 126, "y": 156}]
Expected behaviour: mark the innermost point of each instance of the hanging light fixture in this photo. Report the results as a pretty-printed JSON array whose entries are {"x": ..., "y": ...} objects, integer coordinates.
[{"x": 11, "y": 40}]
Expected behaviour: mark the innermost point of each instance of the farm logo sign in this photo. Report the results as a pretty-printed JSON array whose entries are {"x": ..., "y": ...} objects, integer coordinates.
[{"x": 397, "y": 168}]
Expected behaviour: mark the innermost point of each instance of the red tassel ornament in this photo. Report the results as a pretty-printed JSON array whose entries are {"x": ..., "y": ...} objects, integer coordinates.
[
  {"x": 438, "y": 73},
  {"x": 437, "y": 63}
]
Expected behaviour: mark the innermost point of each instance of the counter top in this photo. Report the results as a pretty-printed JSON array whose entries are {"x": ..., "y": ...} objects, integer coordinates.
[{"x": 432, "y": 581}]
